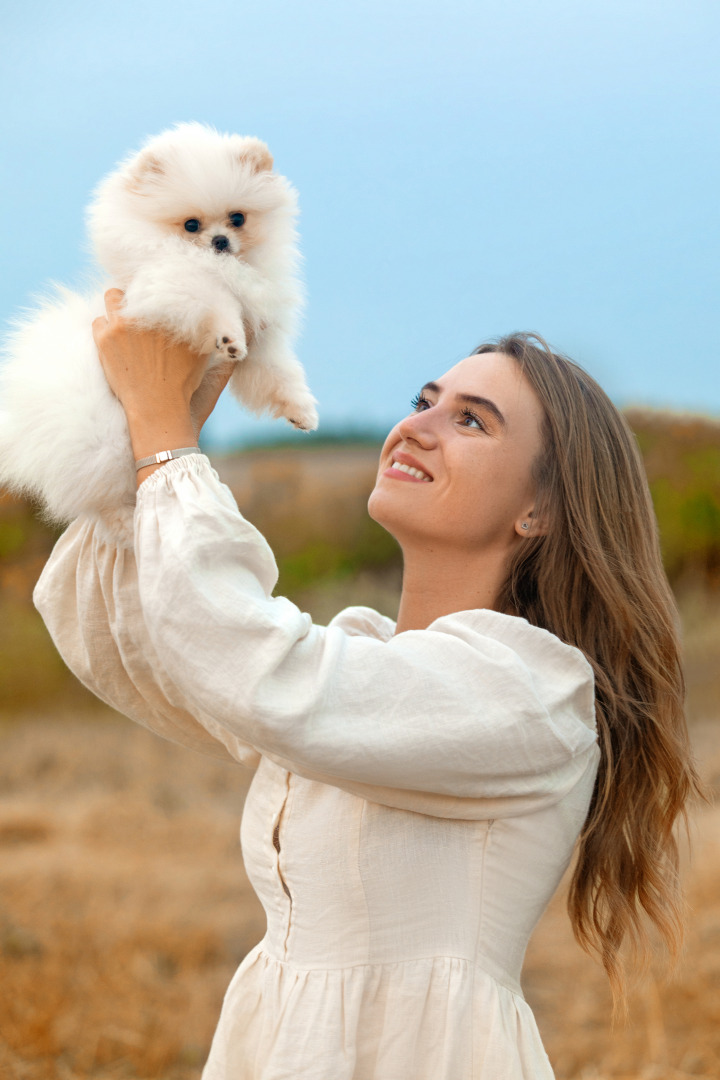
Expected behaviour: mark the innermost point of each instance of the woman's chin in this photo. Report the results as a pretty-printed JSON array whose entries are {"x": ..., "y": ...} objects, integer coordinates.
[
  {"x": 384, "y": 509},
  {"x": 380, "y": 508}
]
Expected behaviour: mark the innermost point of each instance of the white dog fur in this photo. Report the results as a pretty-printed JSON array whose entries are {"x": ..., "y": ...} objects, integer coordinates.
[{"x": 63, "y": 434}]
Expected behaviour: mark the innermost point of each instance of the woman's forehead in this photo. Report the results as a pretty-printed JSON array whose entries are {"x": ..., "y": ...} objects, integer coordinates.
[{"x": 475, "y": 374}]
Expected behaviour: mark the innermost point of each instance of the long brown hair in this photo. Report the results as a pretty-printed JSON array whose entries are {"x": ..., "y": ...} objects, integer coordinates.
[{"x": 595, "y": 579}]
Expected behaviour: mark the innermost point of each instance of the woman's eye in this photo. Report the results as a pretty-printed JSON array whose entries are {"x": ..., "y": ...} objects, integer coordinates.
[
  {"x": 419, "y": 400},
  {"x": 192, "y": 225},
  {"x": 237, "y": 219},
  {"x": 475, "y": 420}
]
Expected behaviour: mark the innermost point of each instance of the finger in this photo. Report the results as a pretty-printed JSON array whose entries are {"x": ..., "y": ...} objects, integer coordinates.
[
  {"x": 210, "y": 389},
  {"x": 113, "y": 302},
  {"x": 98, "y": 329},
  {"x": 214, "y": 382},
  {"x": 223, "y": 372},
  {"x": 206, "y": 396}
]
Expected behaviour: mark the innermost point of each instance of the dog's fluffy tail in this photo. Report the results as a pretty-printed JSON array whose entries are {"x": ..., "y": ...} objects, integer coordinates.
[{"x": 62, "y": 431}]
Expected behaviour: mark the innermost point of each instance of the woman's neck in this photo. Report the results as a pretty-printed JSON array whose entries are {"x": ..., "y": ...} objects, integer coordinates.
[{"x": 435, "y": 585}]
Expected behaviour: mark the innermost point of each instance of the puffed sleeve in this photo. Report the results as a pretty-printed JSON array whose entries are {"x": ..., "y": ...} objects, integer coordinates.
[
  {"x": 481, "y": 714},
  {"x": 88, "y": 597}
]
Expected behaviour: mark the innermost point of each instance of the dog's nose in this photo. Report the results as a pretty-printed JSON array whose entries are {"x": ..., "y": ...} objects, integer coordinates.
[{"x": 220, "y": 243}]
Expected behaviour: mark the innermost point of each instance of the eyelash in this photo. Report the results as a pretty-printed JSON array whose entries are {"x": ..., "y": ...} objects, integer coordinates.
[{"x": 420, "y": 399}]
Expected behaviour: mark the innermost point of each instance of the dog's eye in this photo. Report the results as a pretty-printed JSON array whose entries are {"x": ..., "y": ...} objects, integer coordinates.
[
  {"x": 192, "y": 224},
  {"x": 236, "y": 219}
]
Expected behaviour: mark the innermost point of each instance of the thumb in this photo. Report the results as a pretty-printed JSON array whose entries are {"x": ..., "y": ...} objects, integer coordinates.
[
  {"x": 113, "y": 302},
  {"x": 206, "y": 396}
]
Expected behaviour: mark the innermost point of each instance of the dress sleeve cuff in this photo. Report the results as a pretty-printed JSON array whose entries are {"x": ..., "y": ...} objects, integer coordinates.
[{"x": 198, "y": 464}]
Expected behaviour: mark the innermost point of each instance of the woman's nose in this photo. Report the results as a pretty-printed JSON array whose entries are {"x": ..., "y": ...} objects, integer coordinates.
[{"x": 419, "y": 428}]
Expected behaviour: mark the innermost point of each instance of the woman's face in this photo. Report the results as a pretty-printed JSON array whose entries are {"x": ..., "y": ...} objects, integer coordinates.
[{"x": 474, "y": 433}]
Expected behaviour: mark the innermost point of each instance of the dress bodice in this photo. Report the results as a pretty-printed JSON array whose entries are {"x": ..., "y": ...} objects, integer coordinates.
[{"x": 345, "y": 881}]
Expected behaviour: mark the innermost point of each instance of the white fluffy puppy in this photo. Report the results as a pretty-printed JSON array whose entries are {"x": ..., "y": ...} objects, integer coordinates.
[{"x": 199, "y": 233}]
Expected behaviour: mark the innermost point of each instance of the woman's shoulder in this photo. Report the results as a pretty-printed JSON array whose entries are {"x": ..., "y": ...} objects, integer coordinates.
[
  {"x": 560, "y": 673},
  {"x": 361, "y": 621},
  {"x": 532, "y": 643}
]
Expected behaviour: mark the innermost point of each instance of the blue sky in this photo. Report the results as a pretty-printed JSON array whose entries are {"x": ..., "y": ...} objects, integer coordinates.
[{"x": 465, "y": 169}]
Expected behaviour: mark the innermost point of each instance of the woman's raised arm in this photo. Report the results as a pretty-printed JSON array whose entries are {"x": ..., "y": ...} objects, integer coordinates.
[
  {"x": 88, "y": 597},
  {"x": 87, "y": 593}
]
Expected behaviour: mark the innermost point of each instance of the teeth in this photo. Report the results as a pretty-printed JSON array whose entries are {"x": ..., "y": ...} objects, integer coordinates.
[{"x": 408, "y": 469}]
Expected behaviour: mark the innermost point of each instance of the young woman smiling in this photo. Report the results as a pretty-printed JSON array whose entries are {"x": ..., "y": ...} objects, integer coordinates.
[{"x": 420, "y": 787}]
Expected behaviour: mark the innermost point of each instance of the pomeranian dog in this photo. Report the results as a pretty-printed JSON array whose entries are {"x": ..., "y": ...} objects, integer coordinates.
[{"x": 199, "y": 233}]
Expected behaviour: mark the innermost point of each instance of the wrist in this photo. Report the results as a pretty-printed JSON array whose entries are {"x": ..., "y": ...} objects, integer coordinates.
[
  {"x": 150, "y": 435},
  {"x": 147, "y": 465},
  {"x": 148, "y": 413}
]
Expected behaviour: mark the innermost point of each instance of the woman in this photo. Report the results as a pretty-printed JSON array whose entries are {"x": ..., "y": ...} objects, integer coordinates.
[{"x": 419, "y": 787}]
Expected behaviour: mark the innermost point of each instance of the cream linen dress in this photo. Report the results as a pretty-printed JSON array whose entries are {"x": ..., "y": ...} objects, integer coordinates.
[{"x": 416, "y": 797}]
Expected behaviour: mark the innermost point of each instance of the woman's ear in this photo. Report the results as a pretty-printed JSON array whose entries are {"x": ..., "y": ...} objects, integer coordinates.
[{"x": 532, "y": 524}]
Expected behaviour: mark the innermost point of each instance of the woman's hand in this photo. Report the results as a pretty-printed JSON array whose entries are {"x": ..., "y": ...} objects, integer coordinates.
[
  {"x": 145, "y": 370},
  {"x": 161, "y": 384}
]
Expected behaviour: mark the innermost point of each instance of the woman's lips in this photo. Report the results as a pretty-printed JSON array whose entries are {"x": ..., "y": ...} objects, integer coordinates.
[
  {"x": 398, "y": 474},
  {"x": 404, "y": 462},
  {"x": 398, "y": 471}
]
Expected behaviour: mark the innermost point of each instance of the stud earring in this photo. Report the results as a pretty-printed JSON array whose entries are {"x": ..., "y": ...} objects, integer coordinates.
[{"x": 525, "y": 525}]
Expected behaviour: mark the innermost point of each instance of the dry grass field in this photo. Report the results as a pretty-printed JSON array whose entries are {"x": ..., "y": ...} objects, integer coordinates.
[{"x": 124, "y": 908}]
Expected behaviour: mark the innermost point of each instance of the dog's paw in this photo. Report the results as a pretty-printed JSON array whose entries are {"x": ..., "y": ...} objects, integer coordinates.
[
  {"x": 301, "y": 413},
  {"x": 230, "y": 348}
]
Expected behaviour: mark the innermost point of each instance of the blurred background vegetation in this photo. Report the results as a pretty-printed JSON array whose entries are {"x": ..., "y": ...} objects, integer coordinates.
[{"x": 309, "y": 500}]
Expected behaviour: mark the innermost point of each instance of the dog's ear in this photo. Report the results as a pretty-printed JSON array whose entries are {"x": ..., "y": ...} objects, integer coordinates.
[
  {"x": 146, "y": 168},
  {"x": 255, "y": 153}
]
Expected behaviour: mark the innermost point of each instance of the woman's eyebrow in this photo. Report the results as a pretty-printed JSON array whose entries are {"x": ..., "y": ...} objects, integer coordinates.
[{"x": 484, "y": 402}]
